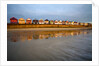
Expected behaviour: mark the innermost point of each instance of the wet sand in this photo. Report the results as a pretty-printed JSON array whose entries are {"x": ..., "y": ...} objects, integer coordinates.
[
  {"x": 59, "y": 46},
  {"x": 50, "y": 29}
]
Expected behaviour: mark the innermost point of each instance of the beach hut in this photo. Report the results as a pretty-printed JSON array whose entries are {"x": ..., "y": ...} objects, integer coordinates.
[
  {"x": 35, "y": 21},
  {"x": 46, "y": 21},
  {"x": 81, "y": 23},
  {"x": 66, "y": 22},
  {"x": 89, "y": 24},
  {"x": 56, "y": 21},
  {"x": 41, "y": 21},
  {"x": 13, "y": 20},
  {"x": 72, "y": 23},
  {"x": 28, "y": 21},
  {"x": 86, "y": 24},
  {"x": 75, "y": 23},
  {"x": 78, "y": 23},
  {"x": 51, "y": 22},
  {"x": 60, "y": 22},
  {"x": 63, "y": 22},
  {"x": 21, "y": 21}
]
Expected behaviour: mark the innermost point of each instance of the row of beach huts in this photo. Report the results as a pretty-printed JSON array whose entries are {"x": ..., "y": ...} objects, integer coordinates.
[{"x": 14, "y": 20}]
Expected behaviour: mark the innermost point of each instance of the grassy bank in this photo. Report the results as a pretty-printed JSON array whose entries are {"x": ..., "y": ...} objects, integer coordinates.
[{"x": 12, "y": 26}]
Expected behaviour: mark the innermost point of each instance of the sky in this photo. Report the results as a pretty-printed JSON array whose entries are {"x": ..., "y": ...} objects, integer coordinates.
[{"x": 70, "y": 12}]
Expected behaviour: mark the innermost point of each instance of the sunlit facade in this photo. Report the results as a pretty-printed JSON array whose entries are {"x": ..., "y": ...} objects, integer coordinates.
[
  {"x": 56, "y": 21},
  {"x": 28, "y": 21},
  {"x": 46, "y": 21},
  {"x": 21, "y": 21},
  {"x": 13, "y": 20},
  {"x": 41, "y": 21},
  {"x": 51, "y": 21}
]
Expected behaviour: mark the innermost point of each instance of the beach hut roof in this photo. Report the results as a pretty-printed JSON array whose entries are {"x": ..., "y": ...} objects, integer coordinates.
[
  {"x": 60, "y": 20},
  {"x": 56, "y": 20},
  {"x": 21, "y": 19},
  {"x": 28, "y": 19},
  {"x": 13, "y": 18},
  {"x": 52, "y": 20},
  {"x": 41, "y": 19},
  {"x": 66, "y": 21},
  {"x": 46, "y": 20},
  {"x": 35, "y": 19},
  {"x": 75, "y": 22}
]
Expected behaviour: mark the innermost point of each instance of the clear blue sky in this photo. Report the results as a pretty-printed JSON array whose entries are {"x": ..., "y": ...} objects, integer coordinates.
[{"x": 71, "y": 12}]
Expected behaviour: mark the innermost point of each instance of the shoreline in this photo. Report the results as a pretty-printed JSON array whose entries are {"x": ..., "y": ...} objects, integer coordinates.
[{"x": 49, "y": 29}]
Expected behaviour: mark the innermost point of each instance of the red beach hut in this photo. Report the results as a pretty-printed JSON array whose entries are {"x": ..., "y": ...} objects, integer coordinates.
[
  {"x": 13, "y": 20},
  {"x": 28, "y": 21},
  {"x": 66, "y": 22}
]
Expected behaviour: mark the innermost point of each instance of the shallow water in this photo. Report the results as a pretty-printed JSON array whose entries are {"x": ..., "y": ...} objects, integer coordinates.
[{"x": 73, "y": 45}]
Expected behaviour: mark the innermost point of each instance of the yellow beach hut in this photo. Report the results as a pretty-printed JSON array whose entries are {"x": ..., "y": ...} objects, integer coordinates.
[
  {"x": 21, "y": 21},
  {"x": 86, "y": 24},
  {"x": 72, "y": 22},
  {"x": 51, "y": 22}
]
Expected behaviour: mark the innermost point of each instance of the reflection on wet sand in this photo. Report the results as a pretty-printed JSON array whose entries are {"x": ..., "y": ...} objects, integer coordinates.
[
  {"x": 71, "y": 45},
  {"x": 30, "y": 35}
]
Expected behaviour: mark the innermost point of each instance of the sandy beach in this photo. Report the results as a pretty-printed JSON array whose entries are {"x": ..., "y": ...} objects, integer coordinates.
[
  {"x": 49, "y": 45},
  {"x": 47, "y": 29}
]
